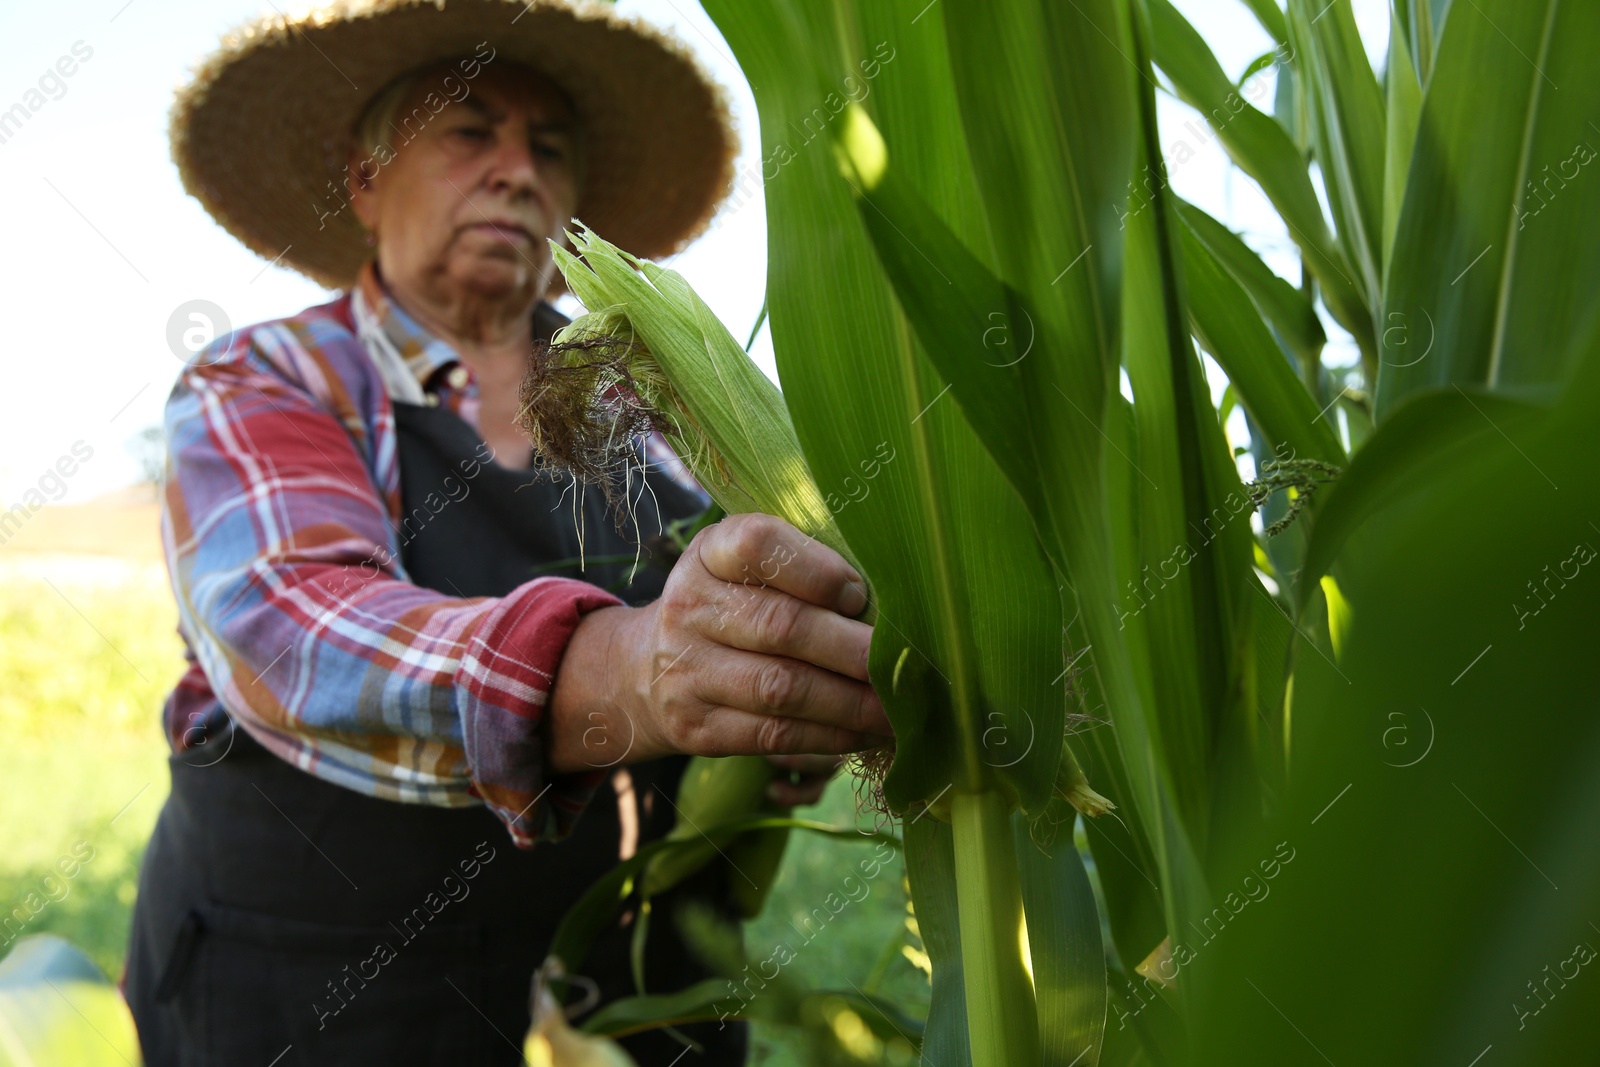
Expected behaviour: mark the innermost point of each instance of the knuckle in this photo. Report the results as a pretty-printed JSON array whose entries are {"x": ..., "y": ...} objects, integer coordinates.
[
  {"x": 672, "y": 609},
  {"x": 683, "y": 735},
  {"x": 777, "y": 621},
  {"x": 777, "y": 735},
  {"x": 681, "y": 605},
  {"x": 750, "y": 534},
  {"x": 662, "y": 660},
  {"x": 777, "y": 683},
  {"x": 682, "y": 727}
]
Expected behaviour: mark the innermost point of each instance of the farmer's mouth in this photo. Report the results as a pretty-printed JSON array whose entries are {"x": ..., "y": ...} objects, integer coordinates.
[{"x": 506, "y": 230}]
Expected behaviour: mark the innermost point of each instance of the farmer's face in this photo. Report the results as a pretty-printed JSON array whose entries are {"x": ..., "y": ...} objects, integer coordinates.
[{"x": 463, "y": 208}]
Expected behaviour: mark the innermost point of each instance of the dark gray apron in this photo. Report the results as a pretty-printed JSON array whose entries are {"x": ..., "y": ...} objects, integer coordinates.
[{"x": 283, "y": 920}]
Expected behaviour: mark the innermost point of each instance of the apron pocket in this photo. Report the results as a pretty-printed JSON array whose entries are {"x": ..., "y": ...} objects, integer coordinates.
[{"x": 312, "y": 993}]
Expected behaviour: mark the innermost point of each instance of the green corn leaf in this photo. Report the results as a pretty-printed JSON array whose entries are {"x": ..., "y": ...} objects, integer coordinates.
[
  {"x": 899, "y": 226},
  {"x": 1263, "y": 149},
  {"x": 1068, "y": 958},
  {"x": 709, "y": 1001},
  {"x": 1497, "y": 252},
  {"x": 1285, "y": 308},
  {"x": 1048, "y": 109},
  {"x": 1348, "y": 131},
  {"x": 1197, "y": 619},
  {"x": 816, "y": 275},
  {"x": 1228, "y": 325},
  {"x": 1123, "y": 849},
  {"x": 1419, "y": 821},
  {"x": 954, "y": 563},
  {"x": 1159, "y": 358},
  {"x": 705, "y": 1001},
  {"x": 1421, "y": 22},
  {"x": 1408, "y": 451},
  {"x": 931, "y": 871},
  {"x": 1144, "y": 1030},
  {"x": 950, "y": 297},
  {"x": 1404, "y": 95},
  {"x": 1274, "y": 635},
  {"x": 598, "y": 907},
  {"x": 1038, "y": 150},
  {"x": 1289, "y": 108},
  {"x": 1265, "y": 61}
]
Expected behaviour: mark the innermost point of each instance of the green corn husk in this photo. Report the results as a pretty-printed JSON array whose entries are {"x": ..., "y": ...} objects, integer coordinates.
[
  {"x": 652, "y": 355},
  {"x": 709, "y": 795},
  {"x": 713, "y": 792}
]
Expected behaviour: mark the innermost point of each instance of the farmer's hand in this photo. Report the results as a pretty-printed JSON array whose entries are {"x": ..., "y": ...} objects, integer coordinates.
[{"x": 751, "y": 649}]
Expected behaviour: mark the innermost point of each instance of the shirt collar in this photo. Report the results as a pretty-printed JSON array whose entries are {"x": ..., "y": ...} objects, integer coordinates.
[{"x": 420, "y": 352}]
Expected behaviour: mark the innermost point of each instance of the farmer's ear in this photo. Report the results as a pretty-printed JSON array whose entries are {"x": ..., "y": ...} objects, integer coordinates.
[{"x": 359, "y": 171}]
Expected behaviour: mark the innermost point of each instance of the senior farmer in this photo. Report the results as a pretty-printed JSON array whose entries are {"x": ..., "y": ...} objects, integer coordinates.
[{"x": 386, "y": 705}]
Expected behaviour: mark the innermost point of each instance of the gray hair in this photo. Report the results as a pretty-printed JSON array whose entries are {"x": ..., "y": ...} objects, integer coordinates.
[{"x": 372, "y": 129}]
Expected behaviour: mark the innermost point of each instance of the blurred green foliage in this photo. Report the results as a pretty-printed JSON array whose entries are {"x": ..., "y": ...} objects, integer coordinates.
[{"x": 87, "y": 652}]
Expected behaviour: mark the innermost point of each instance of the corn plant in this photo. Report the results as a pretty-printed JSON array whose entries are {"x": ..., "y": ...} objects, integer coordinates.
[{"x": 1071, "y": 601}]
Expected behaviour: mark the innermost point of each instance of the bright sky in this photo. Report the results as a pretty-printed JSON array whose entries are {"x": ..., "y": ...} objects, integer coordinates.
[{"x": 102, "y": 244}]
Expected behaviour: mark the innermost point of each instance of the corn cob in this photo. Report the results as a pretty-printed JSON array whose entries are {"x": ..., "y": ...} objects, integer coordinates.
[
  {"x": 713, "y": 792},
  {"x": 651, "y": 355}
]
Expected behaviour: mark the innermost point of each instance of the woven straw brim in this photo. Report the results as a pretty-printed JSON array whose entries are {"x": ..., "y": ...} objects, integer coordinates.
[{"x": 260, "y": 134}]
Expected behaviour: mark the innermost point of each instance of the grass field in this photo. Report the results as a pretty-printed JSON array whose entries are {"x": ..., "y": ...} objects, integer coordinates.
[
  {"x": 87, "y": 654},
  {"x": 87, "y": 651}
]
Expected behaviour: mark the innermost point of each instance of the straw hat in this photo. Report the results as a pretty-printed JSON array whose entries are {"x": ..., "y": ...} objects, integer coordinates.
[{"x": 260, "y": 134}]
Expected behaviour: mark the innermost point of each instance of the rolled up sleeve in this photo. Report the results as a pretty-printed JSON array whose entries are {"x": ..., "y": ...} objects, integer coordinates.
[{"x": 297, "y": 611}]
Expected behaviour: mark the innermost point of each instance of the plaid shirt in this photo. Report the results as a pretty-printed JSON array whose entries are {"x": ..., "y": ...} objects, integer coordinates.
[{"x": 281, "y": 526}]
